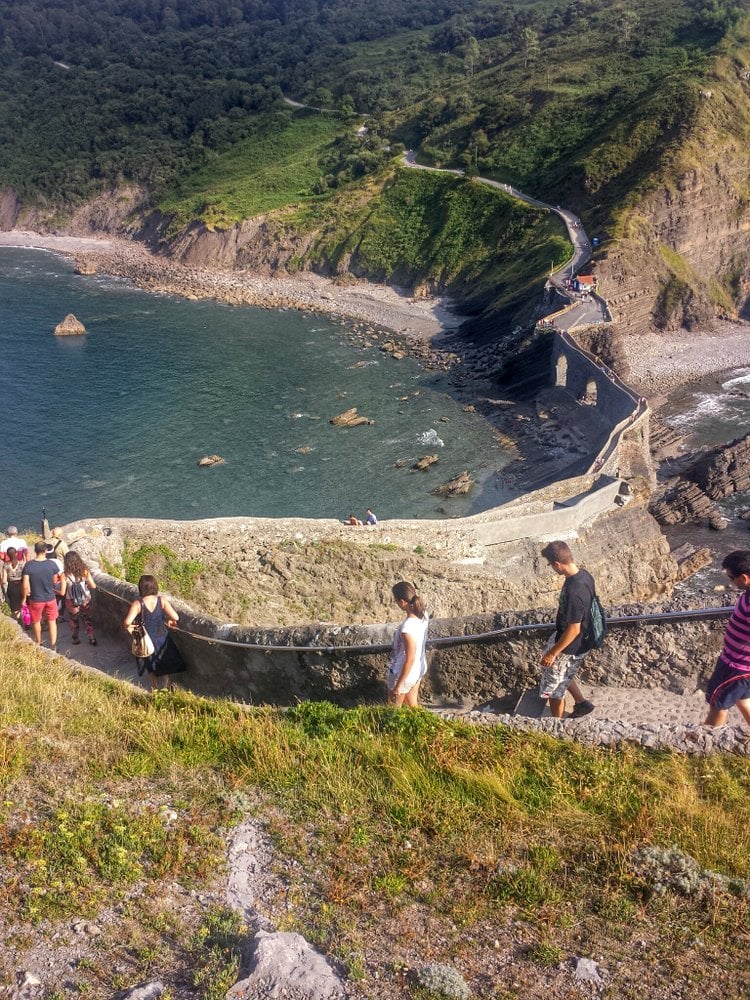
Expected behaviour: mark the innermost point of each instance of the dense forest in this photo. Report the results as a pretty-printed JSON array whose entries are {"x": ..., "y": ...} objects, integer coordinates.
[{"x": 558, "y": 96}]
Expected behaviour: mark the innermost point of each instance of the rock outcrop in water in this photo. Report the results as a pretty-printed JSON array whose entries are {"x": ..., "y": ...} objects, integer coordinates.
[
  {"x": 684, "y": 502},
  {"x": 70, "y": 327},
  {"x": 350, "y": 418},
  {"x": 724, "y": 471},
  {"x": 717, "y": 473},
  {"x": 456, "y": 487},
  {"x": 209, "y": 460}
]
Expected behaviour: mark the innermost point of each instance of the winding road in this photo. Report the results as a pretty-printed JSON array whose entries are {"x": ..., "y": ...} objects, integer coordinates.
[{"x": 582, "y": 312}]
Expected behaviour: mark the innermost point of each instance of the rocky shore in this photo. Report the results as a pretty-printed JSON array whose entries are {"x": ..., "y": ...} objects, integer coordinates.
[
  {"x": 377, "y": 305},
  {"x": 660, "y": 362}
]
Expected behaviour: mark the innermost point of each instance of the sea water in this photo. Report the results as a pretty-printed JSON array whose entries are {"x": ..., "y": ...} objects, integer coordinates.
[
  {"x": 709, "y": 412},
  {"x": 113, "y": 423}
]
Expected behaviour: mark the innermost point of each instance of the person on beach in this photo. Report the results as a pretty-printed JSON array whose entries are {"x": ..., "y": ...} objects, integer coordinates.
[
  {"x": 370, "y": 518},
  {"x": 157, "y": 615},
  {"x": 77, "y": 586},
  {"x": 13, "y": 541},
  {"x": 354, "y": 521},
  {"x": 408, "y": 662},
  {"x": 563, "y": 653},
  {"x": 729, "y": 685},
  {"x": 40, "y": 578},
  {"x": 11, "y": 573}
]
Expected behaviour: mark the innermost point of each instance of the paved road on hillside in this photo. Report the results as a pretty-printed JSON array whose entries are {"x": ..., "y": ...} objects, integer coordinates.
[{"x": 590, "y": 311}]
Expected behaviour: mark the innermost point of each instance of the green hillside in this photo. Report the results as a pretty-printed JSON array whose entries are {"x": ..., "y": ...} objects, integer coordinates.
[
  {"x": 590, "y": 103},
  {"x": 578, "y": 99},
  {"x": 277, "y": 165}
]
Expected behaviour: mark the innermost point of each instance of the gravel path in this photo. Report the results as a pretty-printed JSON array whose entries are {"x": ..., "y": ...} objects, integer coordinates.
[{"x": 634, "y": 706}]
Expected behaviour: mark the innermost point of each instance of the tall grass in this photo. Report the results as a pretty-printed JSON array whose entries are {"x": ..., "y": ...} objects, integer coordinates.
[{"x": 376, "y": 806}]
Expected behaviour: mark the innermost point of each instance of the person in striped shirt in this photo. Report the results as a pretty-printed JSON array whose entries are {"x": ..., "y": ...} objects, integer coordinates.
[{"x": 730, "y": 682}]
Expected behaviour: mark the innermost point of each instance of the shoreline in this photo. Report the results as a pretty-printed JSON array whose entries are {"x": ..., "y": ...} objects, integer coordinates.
[
  {"x": 660, "y": 363},
  {"x": 417, "y": 319},
  {"x": 426, "y": 328}
]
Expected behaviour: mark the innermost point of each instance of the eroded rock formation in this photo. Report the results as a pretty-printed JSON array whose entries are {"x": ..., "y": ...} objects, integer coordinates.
[
  {"x": 70, "y": 327},
  {"x": 725, "y": 470},
  {"x": 350, "y": 418}
]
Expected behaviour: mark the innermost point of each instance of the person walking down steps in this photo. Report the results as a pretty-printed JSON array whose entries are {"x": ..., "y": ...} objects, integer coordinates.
[{"x": 78, "y": 583}]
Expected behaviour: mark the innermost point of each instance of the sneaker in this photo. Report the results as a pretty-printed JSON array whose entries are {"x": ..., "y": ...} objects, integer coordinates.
[
  {"x": 581, "y": 709},
  {"x": 92, "y": 640},
  {"x": 76, "y": 641}
]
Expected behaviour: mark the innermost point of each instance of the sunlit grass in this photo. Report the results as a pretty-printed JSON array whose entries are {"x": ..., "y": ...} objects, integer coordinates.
[{"x": 376, "y": 806}]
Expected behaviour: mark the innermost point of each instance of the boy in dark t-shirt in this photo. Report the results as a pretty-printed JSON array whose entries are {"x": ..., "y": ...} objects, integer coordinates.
[
  {"x": 40, "y": 577},
  {"x": 563, "y": 655}
]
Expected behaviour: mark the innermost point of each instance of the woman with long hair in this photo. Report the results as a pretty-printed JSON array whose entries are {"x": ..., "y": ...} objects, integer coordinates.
[
  {"x": 11, "y": 573},
  {"x": 156, "y": 615},
  {"x": 408, "y": 663},
  {"x": 78, "y": 584}
]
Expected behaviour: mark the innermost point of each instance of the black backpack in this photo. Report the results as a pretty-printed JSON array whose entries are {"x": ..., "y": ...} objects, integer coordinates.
[
  {"x": 595, "y": 629},
  {"x": 77, "y": 593}
]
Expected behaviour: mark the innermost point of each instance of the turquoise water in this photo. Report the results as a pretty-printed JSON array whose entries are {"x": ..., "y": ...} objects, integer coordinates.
[{"x": 113, "y": 423}]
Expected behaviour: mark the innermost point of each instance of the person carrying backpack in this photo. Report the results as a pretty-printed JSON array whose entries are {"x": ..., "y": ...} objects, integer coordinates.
[
  {"x": 579, "y": 627},
  {"x": 77, "y": 586}
]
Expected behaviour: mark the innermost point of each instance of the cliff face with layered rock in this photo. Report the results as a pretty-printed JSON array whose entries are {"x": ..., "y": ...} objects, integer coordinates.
[
  {"x": 681, "y": 256},
  {"x": 711, "y": 475}
]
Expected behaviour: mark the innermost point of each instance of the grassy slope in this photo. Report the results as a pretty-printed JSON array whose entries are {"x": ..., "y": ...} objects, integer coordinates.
[
  {"x": 449, "y": 232},
  {"x": 594, "y": 121},
  {"x": 383, "y": 811},
  {"x": 274, "y": 168}
]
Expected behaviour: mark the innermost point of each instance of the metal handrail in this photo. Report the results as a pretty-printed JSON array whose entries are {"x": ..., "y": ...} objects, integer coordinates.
[{"x": 446, "y": 642}]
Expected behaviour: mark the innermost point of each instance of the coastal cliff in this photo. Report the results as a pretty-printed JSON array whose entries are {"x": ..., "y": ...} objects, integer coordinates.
[{"x": 681, "y": 252}]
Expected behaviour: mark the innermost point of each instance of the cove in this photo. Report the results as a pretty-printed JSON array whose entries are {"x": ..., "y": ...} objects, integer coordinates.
[{"x": 113, "y": 423}]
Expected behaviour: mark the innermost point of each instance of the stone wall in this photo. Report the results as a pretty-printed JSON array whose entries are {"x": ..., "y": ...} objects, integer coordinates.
[{"x": 317, "y": 663}]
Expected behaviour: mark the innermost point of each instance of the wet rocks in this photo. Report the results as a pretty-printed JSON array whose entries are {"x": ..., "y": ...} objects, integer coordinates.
[
  {"x": 689, "y": 559},
  {"x": 458, "y": 486},
  {"x": 683, "y": 502},
  {"x": 724, "y": 471},
  {"x": 85, "y": 266},
  {"x": 350, "y": 418},
  {"x": 425, "y": 462},
  {"x": 717, "y": 473},
  {"x": 70, "y": 327},
  {"x": 209, "y": 460}
]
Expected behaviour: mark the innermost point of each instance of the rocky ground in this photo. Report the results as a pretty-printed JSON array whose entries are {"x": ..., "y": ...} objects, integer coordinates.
[{"x": 659, "y": 362}]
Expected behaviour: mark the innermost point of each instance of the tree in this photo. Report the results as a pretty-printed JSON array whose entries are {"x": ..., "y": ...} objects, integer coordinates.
[
  {"x": 627, "y": 22},
  {"x": 529, "y": 46},
  {"x": 471, "y": 55}
]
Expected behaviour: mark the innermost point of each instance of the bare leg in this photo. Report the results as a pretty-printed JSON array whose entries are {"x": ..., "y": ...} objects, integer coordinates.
[
  {"x": 716, "y": 717},
  {"x": 744, "y": 707},
  {"x": 557, "y": 707},
  {"x": 52, "y": 626},
  {"x": 37, "y": 629},
  {"x": 411, "y": 697},
  {"x": 575, "y": 693}
]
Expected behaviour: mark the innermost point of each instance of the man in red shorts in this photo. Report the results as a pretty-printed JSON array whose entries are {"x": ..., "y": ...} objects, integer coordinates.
[
  {"x": 40, "y": 577},
  {"x": 730, "y": 682}
]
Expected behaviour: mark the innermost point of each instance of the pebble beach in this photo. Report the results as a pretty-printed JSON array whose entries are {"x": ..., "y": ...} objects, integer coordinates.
[{"x": 375, "y": 304}]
